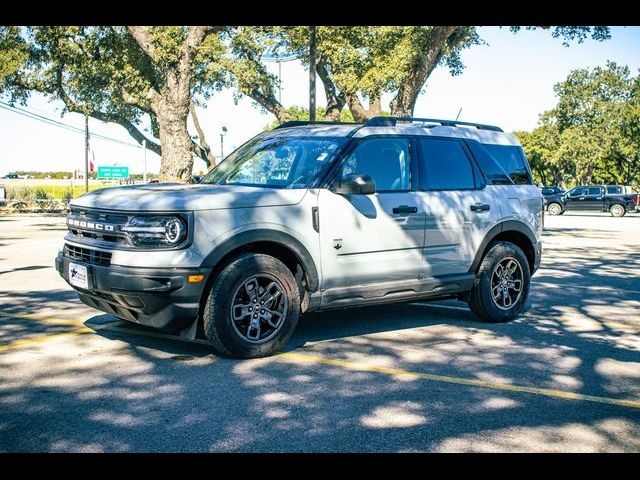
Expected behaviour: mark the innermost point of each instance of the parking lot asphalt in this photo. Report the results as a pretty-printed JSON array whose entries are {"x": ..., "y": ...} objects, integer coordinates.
[{"x": 564, "y": 377}]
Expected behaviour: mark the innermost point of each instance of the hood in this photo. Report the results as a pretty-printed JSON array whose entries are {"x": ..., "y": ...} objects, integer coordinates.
[{"x": 181, "y": 197}]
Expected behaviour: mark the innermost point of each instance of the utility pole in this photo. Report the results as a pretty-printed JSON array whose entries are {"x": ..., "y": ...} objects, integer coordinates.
[
  {"x": 86, "y": 153},
  {"x": 144, "y": 147},
  {"x": 312, "y": 75},
  {"x": 279, "y": 82}
]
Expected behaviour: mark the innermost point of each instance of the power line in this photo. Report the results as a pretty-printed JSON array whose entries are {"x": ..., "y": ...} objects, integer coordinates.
[{"x": 56, "y": 123}]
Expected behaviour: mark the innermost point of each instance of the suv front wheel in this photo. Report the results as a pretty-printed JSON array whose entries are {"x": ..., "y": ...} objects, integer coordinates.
[
  {"x": 501, "y": 288},
  {"x": 252, "y": 308}
]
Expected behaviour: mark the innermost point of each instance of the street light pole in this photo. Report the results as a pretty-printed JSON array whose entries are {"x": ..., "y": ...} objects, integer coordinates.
[
  {"x": 144, "y": 148},
  {"x": 222, "y": 134}
]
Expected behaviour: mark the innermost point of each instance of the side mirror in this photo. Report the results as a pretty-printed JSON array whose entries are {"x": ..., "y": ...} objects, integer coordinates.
[{"x": 356, "y": 184}]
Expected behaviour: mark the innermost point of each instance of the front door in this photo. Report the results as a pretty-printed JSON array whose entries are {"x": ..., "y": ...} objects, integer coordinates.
[{"x": 366, "y": 239}]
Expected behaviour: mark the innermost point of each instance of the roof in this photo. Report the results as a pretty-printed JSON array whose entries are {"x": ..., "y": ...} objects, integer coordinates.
[{"x": 491, "y": 137}]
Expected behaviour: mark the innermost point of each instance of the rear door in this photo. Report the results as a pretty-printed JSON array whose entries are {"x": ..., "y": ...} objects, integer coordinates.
[
  {"x": 575, "y": 198},
  {"x": 459, "y": 211},
  {"x": 594, "y": 198}
]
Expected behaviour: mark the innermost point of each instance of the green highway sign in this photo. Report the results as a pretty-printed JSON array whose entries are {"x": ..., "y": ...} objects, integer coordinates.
[{"x": 113, "y": 172}]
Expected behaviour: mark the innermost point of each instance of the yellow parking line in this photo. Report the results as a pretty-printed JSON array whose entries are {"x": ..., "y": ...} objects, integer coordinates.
[
  {"x": 37, "y": 318},
  {"x": 43, "y": 338},
  {"x": 566, "y": 395}
]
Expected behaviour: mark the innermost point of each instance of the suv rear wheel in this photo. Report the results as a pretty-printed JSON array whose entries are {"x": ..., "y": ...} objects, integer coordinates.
[
  {"x": 501, "y": 288},
  {"x": 617, "y": 211},
  {"x": 252, "y": 308},
  {"x": 554, "y": 209}
]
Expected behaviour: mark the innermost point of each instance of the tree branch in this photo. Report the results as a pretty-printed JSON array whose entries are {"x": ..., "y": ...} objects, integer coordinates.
[
  {"x": 203, "y": 150},
  {"x": 143, "y": 39},
  {"x": 72, "y": 106},
  {"x": 335, "y": 101},
  {"x": 427, "y": 57}
]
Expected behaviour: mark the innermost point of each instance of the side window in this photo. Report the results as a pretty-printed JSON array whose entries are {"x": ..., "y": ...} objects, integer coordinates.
[
  {"x": 593, "y": 191},
  {"x": 577, "y": 192},
  {"x": 387, "y": 160},
  {"x": 445, "y": 166}
]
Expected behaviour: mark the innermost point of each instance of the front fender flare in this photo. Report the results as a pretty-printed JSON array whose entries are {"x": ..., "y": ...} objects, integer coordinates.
[{"x": 265, "y": 235}]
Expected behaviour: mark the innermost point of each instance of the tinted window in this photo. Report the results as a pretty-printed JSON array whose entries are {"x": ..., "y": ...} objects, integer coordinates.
[
  {"x": 593, "y": 191},
  {"x": 445, "y": 166},
  {"x": 492, "y": 170},
  {"x": 578, "y": 191},
  {"x": 513, "y": 160},
  {"x": 613, "y": 189},
  {"x": 385, "y": 159}
]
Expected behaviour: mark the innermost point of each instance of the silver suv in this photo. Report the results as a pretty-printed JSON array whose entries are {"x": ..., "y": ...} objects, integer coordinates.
[{"x": 310, "y": 217}]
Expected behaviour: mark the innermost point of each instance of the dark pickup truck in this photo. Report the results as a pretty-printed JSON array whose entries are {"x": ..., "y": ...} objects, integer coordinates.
[{"x": 593, "y": 198}]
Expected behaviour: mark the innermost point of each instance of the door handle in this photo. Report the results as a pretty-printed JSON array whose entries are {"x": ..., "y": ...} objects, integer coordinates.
[
  {"x": 480, "y": 207},
  {"x": 404, "y": 209}
]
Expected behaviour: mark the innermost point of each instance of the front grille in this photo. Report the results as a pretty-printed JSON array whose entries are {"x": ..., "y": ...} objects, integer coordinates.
[
  {"x": 106, "y": 227},
  {"x": 87, "y": 255}
]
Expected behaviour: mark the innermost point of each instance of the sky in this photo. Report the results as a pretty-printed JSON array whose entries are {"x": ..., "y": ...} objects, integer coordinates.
[{"x": 507, "y": 82}]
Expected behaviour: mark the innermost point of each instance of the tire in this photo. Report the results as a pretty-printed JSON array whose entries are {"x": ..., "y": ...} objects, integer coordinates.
[
  {"x": 554, "y": 208},
  {"x": 617, "y": 211},
  {"x": 230, "y": 295},
  {"x": 481, "y": 301}
]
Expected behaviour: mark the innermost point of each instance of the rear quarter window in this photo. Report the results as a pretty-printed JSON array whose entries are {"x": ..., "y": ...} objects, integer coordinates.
[{"x": 502, "y": 164}]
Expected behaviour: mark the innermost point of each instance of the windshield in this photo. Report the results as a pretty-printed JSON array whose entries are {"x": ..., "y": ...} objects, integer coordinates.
[{"x": 276, "y": 162}]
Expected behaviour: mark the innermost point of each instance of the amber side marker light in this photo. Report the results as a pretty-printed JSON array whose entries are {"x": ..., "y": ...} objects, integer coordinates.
[{"x": 195, "y": 278}]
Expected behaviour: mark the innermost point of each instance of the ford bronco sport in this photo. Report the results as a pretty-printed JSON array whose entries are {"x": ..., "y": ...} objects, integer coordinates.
[{"x": 314, "y": 216}]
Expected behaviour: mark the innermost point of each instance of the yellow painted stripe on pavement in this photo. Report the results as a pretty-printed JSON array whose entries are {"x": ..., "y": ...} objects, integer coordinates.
[
  {"x": 37, "y": 318},
  {"x": 304, "y": 357},
  {"x": 43, "y": 338}
]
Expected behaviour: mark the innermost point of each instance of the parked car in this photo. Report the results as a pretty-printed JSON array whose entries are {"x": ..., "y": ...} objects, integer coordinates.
[
  {"x": 310, "y": 217},
  {"x": 549, "y": 191},
  {"x": 591, "y": 198},
  {"x": 553, "y": 190}
]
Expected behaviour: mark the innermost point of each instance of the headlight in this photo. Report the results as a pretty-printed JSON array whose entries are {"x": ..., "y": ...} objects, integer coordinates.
[{"x": 161, "y": 231}]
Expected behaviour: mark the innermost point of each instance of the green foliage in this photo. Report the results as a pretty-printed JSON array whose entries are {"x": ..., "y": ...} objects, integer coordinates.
[
  {"x": 302, "y": 113},
  {"x": 591, "y": 135},
  {"x": 364, "y": 62}
]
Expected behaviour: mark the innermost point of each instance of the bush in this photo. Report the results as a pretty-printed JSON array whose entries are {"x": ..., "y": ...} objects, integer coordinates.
[
  {"x": 22, "y": 193},
  {"x": 67, "y": 196},
  {"x": 43, "y": 200}
]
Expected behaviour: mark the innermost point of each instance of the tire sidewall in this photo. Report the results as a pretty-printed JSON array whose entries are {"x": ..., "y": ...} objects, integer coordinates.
[
  {"x": 618, "y": 208},
  {"x": 221, "y": 298},
  {"x": 496, "y": 253},
  {"x": 551, "y": 206}
]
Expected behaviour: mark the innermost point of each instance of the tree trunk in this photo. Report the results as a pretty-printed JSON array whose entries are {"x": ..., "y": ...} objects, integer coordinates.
[
  {"x": 434, "y": 44},
  {"x": 358, "y": 111},
  {"x": 177, "y": 162}
]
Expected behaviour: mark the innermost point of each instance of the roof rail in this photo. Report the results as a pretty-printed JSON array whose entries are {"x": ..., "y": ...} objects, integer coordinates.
[
  {"x": 297, "y": 123},
  {"x": 392, "y": 121}
]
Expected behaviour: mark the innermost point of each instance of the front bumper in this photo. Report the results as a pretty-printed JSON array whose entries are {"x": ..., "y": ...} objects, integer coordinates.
[{"x": 157, "y": 297}]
